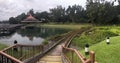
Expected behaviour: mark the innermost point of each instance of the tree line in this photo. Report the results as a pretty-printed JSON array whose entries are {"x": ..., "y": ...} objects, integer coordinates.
[{"x": 95, "y": 12}]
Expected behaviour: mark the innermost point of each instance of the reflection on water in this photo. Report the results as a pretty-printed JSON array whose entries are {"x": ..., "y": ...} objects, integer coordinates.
[{"x": 33, "y": 36}]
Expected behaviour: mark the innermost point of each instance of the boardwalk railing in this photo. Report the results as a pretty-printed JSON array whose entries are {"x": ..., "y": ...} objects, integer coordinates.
[
  {"x": 46, "y": 49},
  {"x": 71, "y": 55},
  {"x": 23, "y": 52},
  {"x": 5, "y": 58}
]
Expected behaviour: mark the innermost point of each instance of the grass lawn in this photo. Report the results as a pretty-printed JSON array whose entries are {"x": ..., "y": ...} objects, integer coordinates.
[
  {"x": 94, "y": 35},
  {"x": 2, "y": 46},
  {"x": 96, "y": 39},
  {"x": 67, "y": 26},
  {"x": 107, "y": 53}
]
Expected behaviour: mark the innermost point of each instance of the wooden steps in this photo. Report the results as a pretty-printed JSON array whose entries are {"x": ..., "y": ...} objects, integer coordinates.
[{"x": 50, "y": 59}]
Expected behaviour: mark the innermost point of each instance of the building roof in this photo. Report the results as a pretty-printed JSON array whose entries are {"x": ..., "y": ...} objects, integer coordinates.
[{"x": 30, "y": 18}]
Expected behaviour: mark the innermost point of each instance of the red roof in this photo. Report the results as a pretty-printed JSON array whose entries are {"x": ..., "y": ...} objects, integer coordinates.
[{"x": 30, "y": 18}]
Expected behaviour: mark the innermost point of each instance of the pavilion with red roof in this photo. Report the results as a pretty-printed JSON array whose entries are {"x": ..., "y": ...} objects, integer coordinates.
[{"x": 30, "y": 19}]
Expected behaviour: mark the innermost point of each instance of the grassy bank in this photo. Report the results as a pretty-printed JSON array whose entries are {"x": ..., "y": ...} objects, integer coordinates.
[
  {"x": 67, "y": 26},
  {"x": 95, "y": 35},
  {"x": 2, "y": 46},
  {"x": 107, "y": 53}
]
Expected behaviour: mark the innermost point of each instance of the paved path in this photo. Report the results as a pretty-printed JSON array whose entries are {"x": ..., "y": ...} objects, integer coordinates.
[{"x": 54, "y": 56}]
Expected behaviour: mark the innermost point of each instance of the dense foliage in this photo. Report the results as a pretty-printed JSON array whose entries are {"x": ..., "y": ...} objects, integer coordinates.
[{"x": 96, "y": 12}]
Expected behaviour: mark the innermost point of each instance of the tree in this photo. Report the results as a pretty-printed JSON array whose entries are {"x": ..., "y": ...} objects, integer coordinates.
[
  {"x": 12, "y": 20},
  {"x": 57, "y": 14},
  {"x": 75, "y": 13},
  {"x": 100, "y": 11},
  {"x": 43, "y": 16},
  {"x": 31, "y": 11},
  {"x": 21, "y": 17}
]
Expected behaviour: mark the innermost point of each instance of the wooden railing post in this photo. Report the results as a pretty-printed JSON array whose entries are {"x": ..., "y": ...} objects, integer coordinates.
[
  {"x": 92, "y": 56},
  {"x": 72, "y": 57}
]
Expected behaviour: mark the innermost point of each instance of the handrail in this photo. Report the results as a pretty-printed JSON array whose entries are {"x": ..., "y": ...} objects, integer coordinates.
[
  {"x": 22, "y": 51},
  {"x": 8, "y": 47},
  {"x": 81, "y": 55},
  {"x": 82, "y": 58},
  {"x": 76, "y": 52},
  {"x": 66, "y": 58},
  {"x": 19, "y": 45},
  {"x": 10, "y": 57},
  {"x": 74, "y": 34}
]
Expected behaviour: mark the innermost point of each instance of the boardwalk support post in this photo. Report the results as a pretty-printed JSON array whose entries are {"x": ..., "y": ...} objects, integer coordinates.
[{"x": 92, "y": 56}]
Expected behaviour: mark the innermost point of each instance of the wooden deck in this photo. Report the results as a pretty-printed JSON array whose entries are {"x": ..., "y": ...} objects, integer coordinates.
[
  {"x": 8, "y": 28},
  {"x": 50, "y": 59}
]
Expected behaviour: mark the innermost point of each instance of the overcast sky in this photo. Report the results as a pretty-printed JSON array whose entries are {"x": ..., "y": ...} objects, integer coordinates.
[{"x": 13, "y": 8}]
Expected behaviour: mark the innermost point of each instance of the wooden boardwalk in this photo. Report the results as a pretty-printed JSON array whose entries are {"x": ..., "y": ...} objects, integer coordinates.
[
  {"x": 8, "y": 28},
  {"x": 50, "y": 59},
  {"x": 53, "y": 56}
]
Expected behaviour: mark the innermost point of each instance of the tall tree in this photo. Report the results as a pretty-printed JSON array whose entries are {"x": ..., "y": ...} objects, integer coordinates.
[
  {"x": 100, "y": 11},
  {"x": 43, "y": 16},
  {"x": 31, "y": 11},
  {"x": 75, "y": 13},
  {"x": 12, "y": 20},
  {"x": 21, "y": 17},
  {"x": 57, "y": 14}
]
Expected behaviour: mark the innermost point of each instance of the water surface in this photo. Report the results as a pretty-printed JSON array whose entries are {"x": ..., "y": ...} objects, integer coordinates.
[{"x": 33, "y": 36}]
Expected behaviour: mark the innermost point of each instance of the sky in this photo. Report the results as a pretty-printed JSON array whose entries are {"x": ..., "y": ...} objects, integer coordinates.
[{"x": 12, "y": 8}]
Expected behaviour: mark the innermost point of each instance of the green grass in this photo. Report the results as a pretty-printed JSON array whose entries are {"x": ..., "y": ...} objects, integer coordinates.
[
  {"x": 96, "y": 39},
  {"x": 2, "y": 46},
  {"x": 96, "y": 35},
  {"x": 107, "y": 53},
  {"x": 67, "y": 26}
]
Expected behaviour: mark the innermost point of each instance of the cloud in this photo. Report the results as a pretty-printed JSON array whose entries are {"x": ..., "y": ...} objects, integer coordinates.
[{"x": 9, "y": 8}]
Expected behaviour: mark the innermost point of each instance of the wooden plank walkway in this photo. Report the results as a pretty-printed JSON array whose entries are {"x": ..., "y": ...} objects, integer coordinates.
[
  {"x": 6, "y": 29},
  {"x": 50, "y": 59},
  {"x": 8, "y": 26},
  {"x": 53, "y": 56}
]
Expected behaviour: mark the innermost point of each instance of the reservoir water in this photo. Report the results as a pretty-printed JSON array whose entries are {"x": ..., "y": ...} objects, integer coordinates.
[{"x": 33, "y": 36}]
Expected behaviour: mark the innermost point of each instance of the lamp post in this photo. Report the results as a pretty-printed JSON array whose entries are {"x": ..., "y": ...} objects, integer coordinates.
[
  {"x": 108, "y": 40},
  {"x": 15, "y": 47},
  {"x": 86, "y": 49}
]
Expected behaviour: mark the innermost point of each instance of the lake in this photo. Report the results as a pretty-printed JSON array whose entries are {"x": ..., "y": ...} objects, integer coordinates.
[{"x": 33, "y": 36}]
